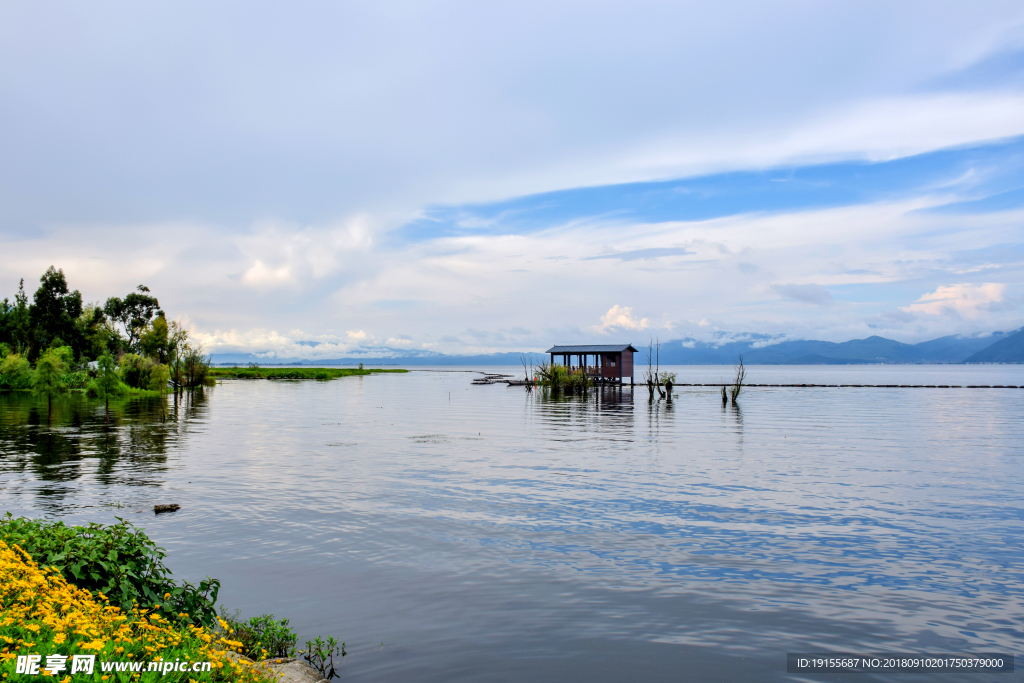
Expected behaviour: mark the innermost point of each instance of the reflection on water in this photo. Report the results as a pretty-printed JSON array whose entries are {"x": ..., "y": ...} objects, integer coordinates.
[
  {"x": 489, "y": 533},
  {"x": 125, "y": 444}
]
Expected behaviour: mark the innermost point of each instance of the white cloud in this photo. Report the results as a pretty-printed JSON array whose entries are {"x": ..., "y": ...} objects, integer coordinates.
[
  {"x": 620, "y": 317},
  {"x": 968, "y": 300},
  {"x": 399, "y": 342},
  {"x": 876, "y": 130},
  {"x": 255, "y": 182},
  {"x": 809, "y": 293},
  {"x": 259, "y": 275}
]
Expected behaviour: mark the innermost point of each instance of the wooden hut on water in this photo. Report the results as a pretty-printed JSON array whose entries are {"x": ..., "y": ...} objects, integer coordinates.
[{"x": 605, "y": 363}]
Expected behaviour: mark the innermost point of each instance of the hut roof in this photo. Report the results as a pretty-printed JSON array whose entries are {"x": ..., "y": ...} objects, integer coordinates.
[{"x": 600, "y": 348}]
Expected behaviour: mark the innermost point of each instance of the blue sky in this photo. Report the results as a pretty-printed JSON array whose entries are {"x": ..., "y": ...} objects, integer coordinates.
[{"x": 468, "y": 178}]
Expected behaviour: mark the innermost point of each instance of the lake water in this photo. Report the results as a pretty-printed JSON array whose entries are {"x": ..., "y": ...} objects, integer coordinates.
[{"x": 450, "y": 532}]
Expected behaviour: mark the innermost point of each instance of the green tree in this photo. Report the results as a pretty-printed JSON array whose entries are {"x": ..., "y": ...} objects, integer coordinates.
[
  {"x": 47, "y": 379},
  {"x": 177, "y": 342},
  {"x": 14, "y": 321},
  {"x": 159, "y": 376},
  {"x": 53, "y": 313},
  {"x": 107, "y": 381},
  {"x": 133, "y": 313},
  {"x": 135, "y": 370},
  {"x": 97, "y": 332},
  {"x": 153, "y": 341},
  {"x": 15, "y": 372}
]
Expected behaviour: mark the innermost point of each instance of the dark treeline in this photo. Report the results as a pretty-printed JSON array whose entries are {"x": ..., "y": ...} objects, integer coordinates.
[{"x": 55, "y": 342}]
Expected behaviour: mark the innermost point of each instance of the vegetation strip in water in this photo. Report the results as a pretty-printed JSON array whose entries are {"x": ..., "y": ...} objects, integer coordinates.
[
  {"x": 57, "y": 345},
  {"x": 292, "y": 373}
]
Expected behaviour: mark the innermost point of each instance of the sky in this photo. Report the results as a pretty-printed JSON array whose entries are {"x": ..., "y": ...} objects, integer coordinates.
[{"x": 319, "y": 179}]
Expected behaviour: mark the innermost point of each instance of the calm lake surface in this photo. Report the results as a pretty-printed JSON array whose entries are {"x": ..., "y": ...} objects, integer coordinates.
[{"x": 449, "y": 532}]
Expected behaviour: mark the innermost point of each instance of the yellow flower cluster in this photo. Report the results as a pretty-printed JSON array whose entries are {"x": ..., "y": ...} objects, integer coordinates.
[{"x": 41, "y": 613}]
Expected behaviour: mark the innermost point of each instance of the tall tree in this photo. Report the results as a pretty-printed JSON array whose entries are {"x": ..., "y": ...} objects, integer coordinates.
[
  {"x": 14, "y": 321},
  {"x": 47, "y": 380},
  {"x": 97, "y": 332},
  {"x": 107, "y": 379},
  {"x": 153, "y": 342},
  {"x": 133, "y": 313},
  {"x": 53, "y": 313}
]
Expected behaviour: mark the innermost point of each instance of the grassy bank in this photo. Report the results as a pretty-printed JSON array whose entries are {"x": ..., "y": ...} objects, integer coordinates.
[
  {"x": 103, "y": 590},
  {"x": 41, "y": 613},
  {"x": 293, "y": 373}
]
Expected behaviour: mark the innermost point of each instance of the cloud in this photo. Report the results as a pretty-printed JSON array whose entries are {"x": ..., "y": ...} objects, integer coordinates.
[
  {"x": 272, "y": 344},
  {"x": 357, "y": 335},
  {"x": 967, "y": 300},
  {"x": 809, "y": 294},
  {"x": 259, "y": 275},
  {"x": 267, "y": 182},
  {"x": 620, "y": 317},
  {"x": 399, "y": 341},
  {"x": 652, "y": 253},
  {"x": 304, "y": 253}
]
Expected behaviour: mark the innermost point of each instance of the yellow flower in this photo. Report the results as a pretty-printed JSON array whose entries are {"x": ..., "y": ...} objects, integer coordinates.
[
  {"x": 166, "y": 595},
  {"x": 37, "y": 602}
]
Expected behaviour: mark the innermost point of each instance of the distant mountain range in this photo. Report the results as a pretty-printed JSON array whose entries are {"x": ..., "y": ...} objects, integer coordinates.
[
  {"x": 1009, "y": 349},
  {"x": 998, "y": 347},
  {"x": 762, "y": 351}
]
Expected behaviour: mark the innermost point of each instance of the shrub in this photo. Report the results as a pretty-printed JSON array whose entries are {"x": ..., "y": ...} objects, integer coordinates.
[
  {"x": 78, "y": 379},
  {"x": 15, "y": 372},
  {"x": 41, "y": 612},
  {"x": 63, "y": 357},
  {"x": 190, "y": 369},
  {"x": 558, "y": 378},
  {"x": 94, "y": 389},
  {"x": 262, "y": 636},
  {"x": 135, "y": 370},
  {"x": 320, "y": 655},
  {"x": 46, "y": 380},
  {"x": 118, "y": 560},
  {"x": 159, "y": 376}
]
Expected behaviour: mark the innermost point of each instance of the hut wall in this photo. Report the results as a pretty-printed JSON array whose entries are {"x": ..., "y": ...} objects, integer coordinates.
[{"x": 610, "y": 365}]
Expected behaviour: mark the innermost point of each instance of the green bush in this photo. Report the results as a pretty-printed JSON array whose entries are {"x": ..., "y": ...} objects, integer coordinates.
[
  {"x": 94, "y": 389},
  {"x": 118, "y": 560},
  {"x": 262, "y": 636},
  {"x": 558, "y": 378},
  {"x": 63, "y": 357},
  {"x": 78, "y": 379},
  {"x": 15, "y": 372},
  {"x": 135, "y": 370}
]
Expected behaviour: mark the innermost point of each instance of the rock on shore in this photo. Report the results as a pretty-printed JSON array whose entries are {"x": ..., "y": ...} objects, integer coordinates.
[{"x": 285, "y": 669}]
